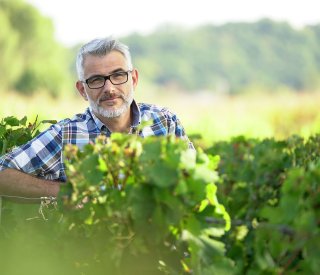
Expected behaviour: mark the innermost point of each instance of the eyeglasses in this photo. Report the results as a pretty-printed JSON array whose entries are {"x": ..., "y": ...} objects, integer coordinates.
[{"x": 97, "y": 82}]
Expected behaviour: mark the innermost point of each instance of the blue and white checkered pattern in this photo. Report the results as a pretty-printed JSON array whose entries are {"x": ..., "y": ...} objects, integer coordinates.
[{"x": 42, "y": 156}]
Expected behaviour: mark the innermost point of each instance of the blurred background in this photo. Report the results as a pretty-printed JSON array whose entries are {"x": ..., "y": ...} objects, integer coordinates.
[{"x": 248, "y": 68}]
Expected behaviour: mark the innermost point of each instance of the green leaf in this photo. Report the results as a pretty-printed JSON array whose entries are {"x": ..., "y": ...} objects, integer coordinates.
[
  {"x": 204, "y": 174},
  {"x": 12, "y": 121},
  {"x": 89, "y": 168},
  {"x": 2, "y": 130},
  {"x": 188, "y": 159},
  {"x": 23, "y": 121}
]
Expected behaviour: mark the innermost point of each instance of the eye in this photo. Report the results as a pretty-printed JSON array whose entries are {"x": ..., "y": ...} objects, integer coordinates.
[
  {"x": 118, "y": 75},
  {"x": 95, "y": 80}
]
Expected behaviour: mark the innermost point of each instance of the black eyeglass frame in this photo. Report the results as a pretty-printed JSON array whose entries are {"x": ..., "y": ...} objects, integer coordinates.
[{"x": 108, "y": 77}]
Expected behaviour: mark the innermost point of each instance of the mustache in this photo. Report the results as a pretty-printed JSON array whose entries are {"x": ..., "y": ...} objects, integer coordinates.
[{"x": 110, "y": 96}]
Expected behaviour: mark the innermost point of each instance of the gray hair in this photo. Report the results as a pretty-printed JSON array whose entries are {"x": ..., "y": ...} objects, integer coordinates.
[{"x": 101, "y": 47}]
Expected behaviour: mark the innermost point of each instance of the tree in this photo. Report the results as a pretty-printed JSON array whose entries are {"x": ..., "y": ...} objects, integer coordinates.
[{"x": 33, "y": 59}]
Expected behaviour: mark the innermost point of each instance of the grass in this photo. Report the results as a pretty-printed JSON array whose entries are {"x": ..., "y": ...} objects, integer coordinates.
[
  {"x": 218, "y": 117},
  {"x": 215, "y": 117}
]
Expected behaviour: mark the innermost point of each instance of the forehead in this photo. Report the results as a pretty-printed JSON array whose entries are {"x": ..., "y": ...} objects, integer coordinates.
[{"x": 104, "y": 64}]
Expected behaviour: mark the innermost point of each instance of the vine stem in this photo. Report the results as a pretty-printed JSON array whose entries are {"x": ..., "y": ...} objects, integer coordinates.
[
  {"x": 4, "y": 146},
  {"x": 291, "y": 259},
  {"x": 0, "y": 209},
  {"x": 45, "y": 201}
]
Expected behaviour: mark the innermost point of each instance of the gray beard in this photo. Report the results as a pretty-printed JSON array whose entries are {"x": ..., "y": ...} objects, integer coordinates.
[{"x": 94, "y": 105}]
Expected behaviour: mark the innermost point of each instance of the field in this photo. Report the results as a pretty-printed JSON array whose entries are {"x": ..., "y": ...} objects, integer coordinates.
[
  {"x": 245, "y": 224},
  {"x": 215, "y": 117}
]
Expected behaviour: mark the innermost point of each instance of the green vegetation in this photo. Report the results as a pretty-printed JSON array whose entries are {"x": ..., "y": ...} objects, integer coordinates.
[
  {"x": 128, "y": 211},
  {"x": 271, "y": 191},
  {"x": 150, "y": 206},
  {"x": 213, "y": 117},
  {"x": 31, "y": 59},
  {"x": 231, "y": 58},
  {"x": 15, "y": 132}
]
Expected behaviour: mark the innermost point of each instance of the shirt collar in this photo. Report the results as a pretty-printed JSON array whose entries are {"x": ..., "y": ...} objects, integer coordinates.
[{"x": 136, "y": 116}]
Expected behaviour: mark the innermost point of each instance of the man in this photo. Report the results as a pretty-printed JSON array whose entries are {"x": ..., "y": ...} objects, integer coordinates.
[{"x": 107, "y": 81}]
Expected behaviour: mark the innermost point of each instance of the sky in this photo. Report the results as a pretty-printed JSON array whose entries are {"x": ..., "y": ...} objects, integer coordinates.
[{"x": 82, "y": 20}]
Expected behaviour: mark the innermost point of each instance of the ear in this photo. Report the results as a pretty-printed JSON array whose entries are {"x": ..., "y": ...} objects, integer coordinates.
[
  {"x": 80, "y": 88},
  {"x": 135, "y": 77}
]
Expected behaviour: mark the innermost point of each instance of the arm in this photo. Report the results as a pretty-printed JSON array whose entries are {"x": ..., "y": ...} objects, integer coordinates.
[
  {"x": 33, "y": 169},
  {"x": 16, "y": 183}
]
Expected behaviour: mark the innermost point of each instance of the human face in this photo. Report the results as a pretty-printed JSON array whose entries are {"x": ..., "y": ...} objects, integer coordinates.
[
  {"x": 112, "y": 112},
  {"x": 111, "y": 100}
]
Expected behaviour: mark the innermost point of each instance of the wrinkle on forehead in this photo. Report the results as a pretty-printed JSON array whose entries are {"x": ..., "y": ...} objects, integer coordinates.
[{"x": 104, "y": 65}]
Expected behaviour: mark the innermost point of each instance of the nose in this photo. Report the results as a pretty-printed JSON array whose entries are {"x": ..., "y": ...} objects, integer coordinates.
[{"x": 108, "y": 86}]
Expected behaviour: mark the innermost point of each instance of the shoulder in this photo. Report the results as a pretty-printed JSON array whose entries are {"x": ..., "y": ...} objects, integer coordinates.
[
  {"x": 55, "y": 131},
  {"x": 163, "y": 121},
  {"x": 81, "y": 118},
  {"x": 148, "y": 111},
  {"x": 82, "y": 122}
]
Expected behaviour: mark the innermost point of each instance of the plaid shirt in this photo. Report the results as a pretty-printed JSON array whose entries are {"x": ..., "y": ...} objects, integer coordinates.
[{"x": 42, "y": 156}]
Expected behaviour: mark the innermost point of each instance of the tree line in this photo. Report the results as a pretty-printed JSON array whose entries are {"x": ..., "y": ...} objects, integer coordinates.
[
  {"x": 229, "y": 58},
  {"x": 232, "y": 57},
  {"x": 31, "y": 58}
]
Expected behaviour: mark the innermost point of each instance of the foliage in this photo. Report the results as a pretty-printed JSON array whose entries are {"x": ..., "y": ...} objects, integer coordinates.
[
  {"x": 231, "y": 58},
  {"x": 31, "y": 59},
  {"x": 270, "y": 189},
  {"x": 148, "y": 200},
  {"x": 137, "y": 206},
  {"x": 151, "y": 206},
  {"x": 15, "y": 132}
]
